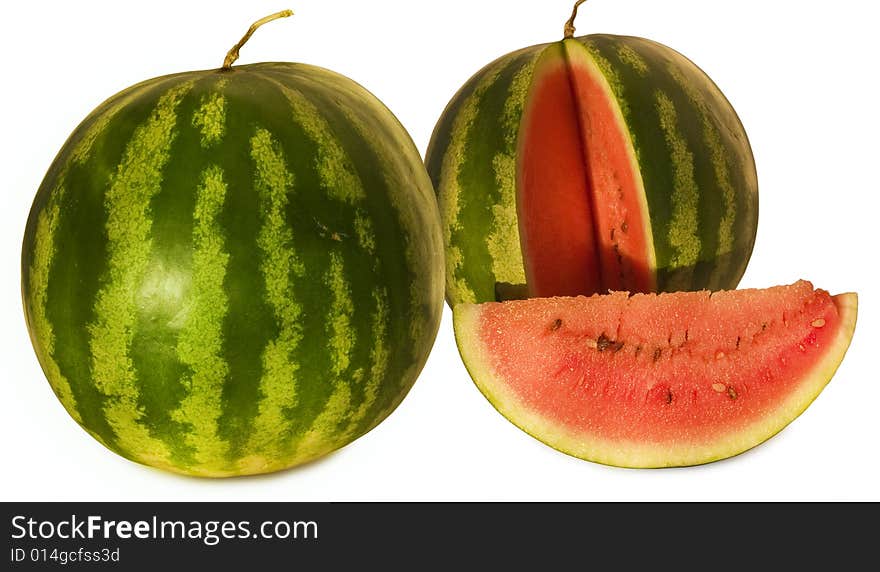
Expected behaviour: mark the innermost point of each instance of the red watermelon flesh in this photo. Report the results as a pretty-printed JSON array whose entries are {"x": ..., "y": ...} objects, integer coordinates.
[
  {"x": 555, "y": 214},
  {"x": 583, "y": 215},
  {"x": 654, "y": 380},
  {"x": 615, "y": 185}
]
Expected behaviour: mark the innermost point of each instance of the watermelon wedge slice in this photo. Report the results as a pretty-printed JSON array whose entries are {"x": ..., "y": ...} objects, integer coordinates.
[{"x": 657, "y": 380}]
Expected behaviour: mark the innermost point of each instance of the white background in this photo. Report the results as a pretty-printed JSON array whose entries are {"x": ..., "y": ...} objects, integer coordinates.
[{"x": 801, "y": 74}]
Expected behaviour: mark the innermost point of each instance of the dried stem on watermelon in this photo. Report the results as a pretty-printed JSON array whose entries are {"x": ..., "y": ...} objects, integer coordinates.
[
  {"x": 568, "y": 31},
  {"x": 232, "y": 55}
]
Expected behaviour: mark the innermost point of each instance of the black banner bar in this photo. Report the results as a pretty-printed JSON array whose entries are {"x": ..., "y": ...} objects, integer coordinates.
[{"x": 263, "y": 536}]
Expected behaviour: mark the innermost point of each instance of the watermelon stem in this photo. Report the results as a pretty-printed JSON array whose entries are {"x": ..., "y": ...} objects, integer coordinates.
[
  {"x": 232, "y": 55},
  {"x": 568, "y": 31}
]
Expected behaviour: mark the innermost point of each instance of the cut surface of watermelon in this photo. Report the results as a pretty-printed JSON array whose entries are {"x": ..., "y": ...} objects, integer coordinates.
[
  {"x": 650, "y": 380},
  {"x": 554, "y": 206}
]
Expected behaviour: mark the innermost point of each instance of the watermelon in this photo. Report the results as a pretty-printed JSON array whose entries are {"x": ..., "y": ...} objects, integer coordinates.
[
  {"x": 595, "y": 163},
  {"x": 656, "y": 380},
  {"x": 234, "y": 271}
]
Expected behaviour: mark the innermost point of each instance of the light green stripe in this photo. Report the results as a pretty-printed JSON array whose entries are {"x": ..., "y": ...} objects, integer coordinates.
[
  {"x": 682, "y": 233},
  {"x": 323, "y": 436},
  {"x": 341, "y": 312},
  {"x": 43, "y": 254},
  {"x": 503, "y": 240},
  {"x": 279, "y": 265},
  {"x": 379, "y": 357},
  {"x": 335, "y": 169},
  {"x": 721, "y": 168},
  {"x": 363, "y": 229},
  {"x": 633, "y": 59},
  {"x": 137, "y": 179},
  {"x": 210, "y": 117},
  {"x": 450, "y": 189},
  {"x": 200, "y": 345}
]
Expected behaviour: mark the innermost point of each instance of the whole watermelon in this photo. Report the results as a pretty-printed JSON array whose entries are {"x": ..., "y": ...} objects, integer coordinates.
[
  {"x": 234, "y": 271},
  {"x": 549, "y": 159}
]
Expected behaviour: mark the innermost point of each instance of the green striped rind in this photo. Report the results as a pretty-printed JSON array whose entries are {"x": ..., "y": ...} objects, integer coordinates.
[
  {"x": 694, "y": 157},
  {"x": 472, "y": 162},
  {"x": 128, "y": 247},
  {"x": 41, "y": 232},
  {"x": 200, "y": 341},
  {"x": 372, "y": 136},
  {"x": 234, "y": 272}
]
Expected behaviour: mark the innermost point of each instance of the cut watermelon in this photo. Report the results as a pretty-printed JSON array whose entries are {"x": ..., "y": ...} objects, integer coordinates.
[
  {"x": 650, "y": 380},
  {"x": 553, "y": 206}
]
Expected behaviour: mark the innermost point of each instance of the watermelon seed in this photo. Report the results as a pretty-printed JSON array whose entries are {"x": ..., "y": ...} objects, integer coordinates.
[
  {"x": 604, "y": 343},
  {"x": 738, "y": 340},
  {"x": 657, "y": 353},
  {"x": 719, "y": 387},
  {"x": 731, "y": 392},
  {"x": 719, "y": 355},
  {"x": 557, "y": 323},
  {"x": 612, "y": 233},
  {"x": 624, "y": 226},
  {"x": 818, "y": 323},
  {"x": 668, "y": 396},
  {"x": 638, "y": 350}
]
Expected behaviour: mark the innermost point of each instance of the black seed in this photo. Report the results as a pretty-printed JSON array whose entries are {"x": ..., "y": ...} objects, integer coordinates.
[
  {"x": 668, "y": 396},
  {"x": 603, "y": 343},
  {"x": 738, "y": 340},
  {"x": 731, "y": 392},
  {"x": 557, "y": 323},
  {"x": 657, "y": 353},
  {"x": 624, "y": 226}
]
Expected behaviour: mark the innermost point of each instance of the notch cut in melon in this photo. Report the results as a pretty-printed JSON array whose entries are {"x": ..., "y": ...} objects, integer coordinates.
[
  {"x": 656, "y": 380},
  {"x": 583, "y": 216}
]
